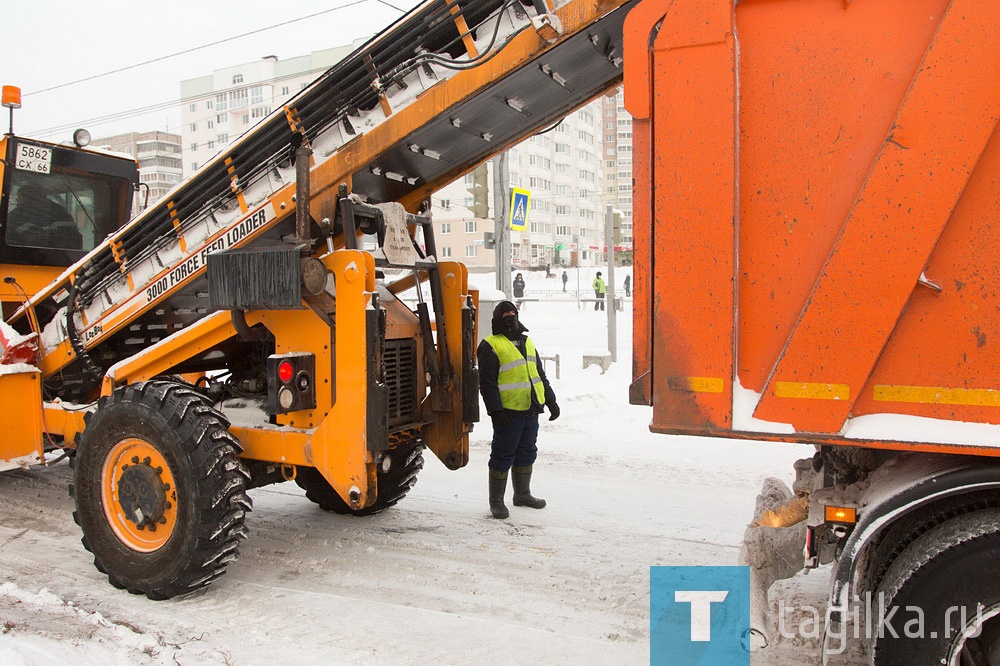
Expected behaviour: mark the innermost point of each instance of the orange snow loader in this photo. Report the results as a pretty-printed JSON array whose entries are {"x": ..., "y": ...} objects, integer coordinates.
[
  {"x": 282, "y": 314},
  {"x": 816, "y": 205}
]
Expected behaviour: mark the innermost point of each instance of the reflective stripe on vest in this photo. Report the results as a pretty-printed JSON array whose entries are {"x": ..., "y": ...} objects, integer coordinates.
[{"x": 518, "y": 375}]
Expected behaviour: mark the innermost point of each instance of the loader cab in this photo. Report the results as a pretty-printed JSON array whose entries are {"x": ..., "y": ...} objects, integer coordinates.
[{"x": 57, "y": 203}]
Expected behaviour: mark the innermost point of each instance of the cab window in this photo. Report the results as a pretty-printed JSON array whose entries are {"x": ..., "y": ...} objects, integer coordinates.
[{"x": 60, "y": 210}]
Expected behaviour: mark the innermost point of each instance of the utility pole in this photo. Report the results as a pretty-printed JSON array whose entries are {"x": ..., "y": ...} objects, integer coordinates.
[
  {"x": 610, "y": 302},
  {"x": 501, "y": 200}
]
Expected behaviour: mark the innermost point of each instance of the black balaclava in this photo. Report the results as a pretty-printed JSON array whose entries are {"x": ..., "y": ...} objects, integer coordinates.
[{"x": 505, "y": 321}]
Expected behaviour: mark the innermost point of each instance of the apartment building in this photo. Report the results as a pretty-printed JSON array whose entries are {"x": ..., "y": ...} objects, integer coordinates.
[
  {"x": 561, "y": 168},
  {"x": 219, "y": 107},
  {"x": 617, "y": 155},
  {"x": 159, "y": 157}
]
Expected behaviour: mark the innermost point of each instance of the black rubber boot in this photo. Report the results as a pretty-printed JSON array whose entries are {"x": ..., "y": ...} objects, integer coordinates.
[
  {"x": 498, "y": 486},
  {"x": 522, "y": 488}
]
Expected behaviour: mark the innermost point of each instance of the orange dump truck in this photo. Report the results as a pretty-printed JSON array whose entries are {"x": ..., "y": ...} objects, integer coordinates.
[{"x": 817, "y": 193}]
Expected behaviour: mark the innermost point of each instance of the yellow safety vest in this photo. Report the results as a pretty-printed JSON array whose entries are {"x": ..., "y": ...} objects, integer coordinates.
[{"x": 518, "y": 375}]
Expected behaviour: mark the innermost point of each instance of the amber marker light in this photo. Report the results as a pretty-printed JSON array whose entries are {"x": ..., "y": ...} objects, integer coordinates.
[
  {"x": 11, "y": 97},
  {"x": 841, "y": 514}
]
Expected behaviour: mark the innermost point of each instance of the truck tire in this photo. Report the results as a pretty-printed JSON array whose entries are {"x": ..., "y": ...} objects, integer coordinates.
[
  {"x": 394, "y": 479},
  {"x": 160, "y": 492},
  {"x": 947, "y": 573}
]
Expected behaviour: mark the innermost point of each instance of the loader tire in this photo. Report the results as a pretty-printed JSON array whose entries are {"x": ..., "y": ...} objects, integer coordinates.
[
  {"x": 405, "y": 461},
  {"x": 940, "y": 589},
  {"x": 160, "y": 492}
]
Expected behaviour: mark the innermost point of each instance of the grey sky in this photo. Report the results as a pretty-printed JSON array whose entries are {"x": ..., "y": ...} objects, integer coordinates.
[{"x": 51, "y": 42}]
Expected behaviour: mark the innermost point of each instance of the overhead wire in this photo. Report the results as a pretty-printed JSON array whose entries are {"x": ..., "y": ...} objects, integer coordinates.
[{"x": 199, "y": 48}]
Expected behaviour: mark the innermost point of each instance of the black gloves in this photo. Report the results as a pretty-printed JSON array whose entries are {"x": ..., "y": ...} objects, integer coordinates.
[
  {"x": 553, "y": 409},
  {"x": 501, "y": 419}
]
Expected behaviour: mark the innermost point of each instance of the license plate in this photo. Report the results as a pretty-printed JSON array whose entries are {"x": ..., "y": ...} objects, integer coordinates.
[{"x": 33, "y": 158}]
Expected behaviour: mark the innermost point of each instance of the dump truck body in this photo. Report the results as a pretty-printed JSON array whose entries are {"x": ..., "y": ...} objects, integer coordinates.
[
  {"x": 816, "y": 196},
  {"x": 836, "y": 195}
]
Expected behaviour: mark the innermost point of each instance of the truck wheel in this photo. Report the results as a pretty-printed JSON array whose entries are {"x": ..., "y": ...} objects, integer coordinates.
[
  {"x": 942, "y": 597},
  {"x": 160, "y": 492},
  {"x": 396, "y": 475}
]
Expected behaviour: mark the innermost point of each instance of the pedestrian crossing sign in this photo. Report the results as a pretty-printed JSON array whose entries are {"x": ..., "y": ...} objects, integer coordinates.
[{"x": 519, "y": 200}]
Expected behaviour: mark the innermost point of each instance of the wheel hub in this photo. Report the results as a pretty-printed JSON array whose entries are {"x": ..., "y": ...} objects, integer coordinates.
[{"x": 141, "y": 494}]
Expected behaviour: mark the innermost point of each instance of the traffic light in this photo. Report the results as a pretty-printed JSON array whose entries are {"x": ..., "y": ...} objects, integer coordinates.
[{"x": 480, "y": 191}]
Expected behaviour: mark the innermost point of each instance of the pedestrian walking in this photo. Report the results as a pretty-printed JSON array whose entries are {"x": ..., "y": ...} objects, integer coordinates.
[
  {"x": 518, "y": 286},
  {"x": 600, "y": 288},
  {"x": 515, "y": 390},
  {"x": 565, "y": 279},
  {"x": 628, "y": 286}
]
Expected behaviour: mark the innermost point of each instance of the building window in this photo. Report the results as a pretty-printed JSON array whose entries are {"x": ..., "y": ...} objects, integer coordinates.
[
  {"x": 208, "y": 104},
  {"x": 223, "y": 138},
  {"x": 564, "y": 210},
  {"x": 445, "y": 252},
  {"x": 303, "y": 86},
  {"x": 446, "y": 227},
  {"x": 585, "y": 136},
  {"x": 538, "y": 160},
  {"x": 562, "y": 169},
  {"x": 194, "y": 127},
  {"x": 539, "y": 183},
  {"x": 194, "y": 166},
  {"x": 257, "y": 95},
  {"x": 284, "y": 90},
  {"x": 211, "y": 124},
  {"x": 237, "y": 78},
  {"x": 564, "y": 231},
  {"x": 562, "y": 148},
  {"x": 246, "y": 118},
  {"x": 587, "y": 175},
  {"x": 220, "y": 102},
  {"x": 220, "y": 119},
  {"x": 211, "y": 144},
  {"x": 194, "y": 146},
  {"x": 471, "y": 250},
  {"x": 470, "y": 226},
  {"x": 192, "y": 107}
]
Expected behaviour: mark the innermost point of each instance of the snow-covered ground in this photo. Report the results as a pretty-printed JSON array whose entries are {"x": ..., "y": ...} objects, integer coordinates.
[{"x": 435, "y": 579}]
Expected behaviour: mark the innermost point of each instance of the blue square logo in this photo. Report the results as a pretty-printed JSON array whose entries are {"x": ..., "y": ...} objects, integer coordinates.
[{"x": 699, "y": 615}]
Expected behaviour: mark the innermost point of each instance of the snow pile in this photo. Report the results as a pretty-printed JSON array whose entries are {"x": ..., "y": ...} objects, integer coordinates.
[{"x": 108, "y": 642}]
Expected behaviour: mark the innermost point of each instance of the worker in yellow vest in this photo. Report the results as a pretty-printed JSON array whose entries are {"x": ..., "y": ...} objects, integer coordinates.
[{"x": 515, "y": 390}]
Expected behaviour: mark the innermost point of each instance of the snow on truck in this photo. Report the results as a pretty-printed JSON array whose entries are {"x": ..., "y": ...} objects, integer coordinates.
[{"x": 816, "y": 187}]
